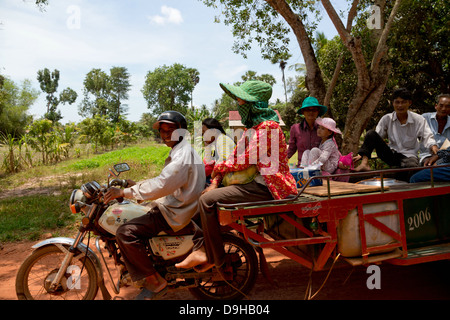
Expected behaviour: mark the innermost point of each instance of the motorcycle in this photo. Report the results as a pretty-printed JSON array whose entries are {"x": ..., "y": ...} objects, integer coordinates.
[{"x": 65, "y": 268}]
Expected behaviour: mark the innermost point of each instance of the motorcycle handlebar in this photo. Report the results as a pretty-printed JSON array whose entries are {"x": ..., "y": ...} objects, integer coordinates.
[{"x": 118, "y": 183}]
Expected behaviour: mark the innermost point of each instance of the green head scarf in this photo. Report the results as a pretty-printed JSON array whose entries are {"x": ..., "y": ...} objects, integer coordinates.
[{"x": 257, "y": 95}]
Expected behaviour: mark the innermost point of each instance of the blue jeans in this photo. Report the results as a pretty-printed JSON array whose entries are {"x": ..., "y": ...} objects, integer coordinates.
[{"x": 439, "y": 174}]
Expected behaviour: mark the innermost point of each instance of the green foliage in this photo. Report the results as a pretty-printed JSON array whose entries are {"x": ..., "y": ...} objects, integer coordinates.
[
  {"x": 256, "y": 21},
  {"x": 347, "y": 81},
  {"x": 103, "y": 93},
  {"x": 33, "y": 215},
  {"x": 419, "y": 51},
  {"x": 138, "y": 155},
  {"x": 42, "y": 138},
  {"x": 120, "y": 85},
  {"x": 15, "y": 101},
  {"x": 28, "y": 217},
  {"x": 169, "y": 88},
  {"x": 48, "y": 82}
]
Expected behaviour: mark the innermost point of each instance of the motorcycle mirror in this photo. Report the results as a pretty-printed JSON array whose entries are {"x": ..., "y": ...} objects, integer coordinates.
[{"x": 121, "y": 167}]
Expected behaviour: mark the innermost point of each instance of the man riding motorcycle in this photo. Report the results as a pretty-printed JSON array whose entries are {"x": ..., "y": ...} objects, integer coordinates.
[{"x": 174, "y": 194}]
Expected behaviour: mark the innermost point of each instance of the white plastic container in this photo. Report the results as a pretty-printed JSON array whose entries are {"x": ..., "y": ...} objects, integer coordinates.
[{"x": 349, "y": 241}]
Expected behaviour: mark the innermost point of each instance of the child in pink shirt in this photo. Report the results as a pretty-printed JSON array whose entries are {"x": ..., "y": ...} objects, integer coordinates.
[{"x": 327, "y": 153}]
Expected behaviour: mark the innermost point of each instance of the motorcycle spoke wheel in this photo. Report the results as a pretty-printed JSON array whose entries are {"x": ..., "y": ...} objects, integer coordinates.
[
  {"x": 237, "y": 276},
  {"x": 40, "y": 268}
]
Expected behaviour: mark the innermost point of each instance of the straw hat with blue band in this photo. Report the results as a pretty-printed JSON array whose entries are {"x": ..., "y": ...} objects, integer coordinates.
[{"x": 312, "y": 102}]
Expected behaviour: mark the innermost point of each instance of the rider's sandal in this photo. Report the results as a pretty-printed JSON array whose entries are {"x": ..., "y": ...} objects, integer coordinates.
[{"x": 150, "y": 295}]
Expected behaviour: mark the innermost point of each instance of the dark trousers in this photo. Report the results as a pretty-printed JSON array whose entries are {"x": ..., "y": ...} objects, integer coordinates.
[
  {"x": 133, "y": 236},
  {"x": 373, "y": 141},
  {"x": 209, "y": 235},
  {"x": 439, "y": 174}
]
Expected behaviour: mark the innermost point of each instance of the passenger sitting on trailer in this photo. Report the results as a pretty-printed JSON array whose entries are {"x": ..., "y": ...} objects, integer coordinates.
[
  {"x": 439, "y": 174},
  {"x": 406, "y": 131},
  {"x": 256, "y": 170},
  {"x": 439, "y": 123}
]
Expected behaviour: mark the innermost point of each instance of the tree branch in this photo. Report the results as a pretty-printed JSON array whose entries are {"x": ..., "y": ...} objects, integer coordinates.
[
  {"x": 353, "y": 44},
  {"x": 381, "y": 47},
  {"x": 314, "y": 79}
]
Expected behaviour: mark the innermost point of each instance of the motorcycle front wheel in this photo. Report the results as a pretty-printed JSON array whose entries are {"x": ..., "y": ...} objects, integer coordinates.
[
  {"x": 236, "y": 278},
  {"x": 38, "y": 271}
]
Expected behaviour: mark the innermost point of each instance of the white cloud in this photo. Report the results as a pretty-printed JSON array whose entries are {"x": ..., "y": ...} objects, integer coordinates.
[{"x": 169, "y": 15}]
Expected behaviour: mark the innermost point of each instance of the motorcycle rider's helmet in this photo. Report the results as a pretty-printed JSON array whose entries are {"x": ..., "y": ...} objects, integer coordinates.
[{"x": 171, "y": 117}]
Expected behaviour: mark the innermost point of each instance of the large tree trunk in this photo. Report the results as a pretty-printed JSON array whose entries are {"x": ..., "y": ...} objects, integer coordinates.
[
  {"x": 361, "y": 109},
  {"x": 314, "y": 80},
  {"x": 372, "y": 78}
]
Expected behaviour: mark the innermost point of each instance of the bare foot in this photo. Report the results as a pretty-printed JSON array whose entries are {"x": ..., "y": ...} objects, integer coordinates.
[
  {"x": 362, "y": 167},
  {"x": 194, "y": 259}
]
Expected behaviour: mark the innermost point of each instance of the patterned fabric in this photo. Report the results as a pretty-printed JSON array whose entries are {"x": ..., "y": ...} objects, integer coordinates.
[
  {"x": 444, "y": 156},
  {"x": 253, "y": 113},
  {"x": 257, "y": 147}
]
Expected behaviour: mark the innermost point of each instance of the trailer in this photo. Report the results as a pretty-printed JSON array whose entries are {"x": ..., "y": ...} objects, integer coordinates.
[{"x": 401, "y": 224}]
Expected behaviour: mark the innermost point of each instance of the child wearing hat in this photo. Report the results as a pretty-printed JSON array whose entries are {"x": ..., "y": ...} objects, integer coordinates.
[{"x": 327, "y": 153}]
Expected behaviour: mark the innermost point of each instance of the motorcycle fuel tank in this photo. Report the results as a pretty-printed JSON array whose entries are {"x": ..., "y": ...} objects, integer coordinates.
[{"x": 119, "y": 213}]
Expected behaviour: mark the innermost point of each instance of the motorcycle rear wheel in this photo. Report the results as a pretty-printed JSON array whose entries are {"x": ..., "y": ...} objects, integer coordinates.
[
  {"x": 241, "y": 265},
  {"x": 39, "y": 269}
]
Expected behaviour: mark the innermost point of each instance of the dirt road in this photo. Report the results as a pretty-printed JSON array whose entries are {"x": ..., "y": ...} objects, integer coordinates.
[{"x": 424, "y": 282}]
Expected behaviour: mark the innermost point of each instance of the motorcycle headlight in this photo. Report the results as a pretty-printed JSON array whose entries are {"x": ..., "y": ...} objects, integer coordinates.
[
  {"x": 90, "y": 190},
  {"x": 77, "y": 195}
]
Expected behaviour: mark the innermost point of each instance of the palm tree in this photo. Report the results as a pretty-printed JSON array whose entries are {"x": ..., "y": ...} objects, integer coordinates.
[{"x": 282, "y": 67}]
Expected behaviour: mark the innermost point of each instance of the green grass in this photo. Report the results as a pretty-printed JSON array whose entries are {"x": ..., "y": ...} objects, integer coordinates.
[
  {"x": 137, "y": 154},
  {"x": 28, "y": 217}
]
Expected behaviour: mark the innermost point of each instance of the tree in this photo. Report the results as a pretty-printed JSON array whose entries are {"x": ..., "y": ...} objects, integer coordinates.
[
  {"x": 48, "y": 82},
  {"x": 419, "y": 51},
  {"x": 15, "y": 100},
  {"x": 169, "y": 88},
  {"x": 282, "y": 66},
  {"x": 97, "y": 84},
  {"x": 120, "y": 85},
  {"x": 103, "y": 93},
  {"x": 195, "y": 76},
  {"x": 265, "y": 19}
]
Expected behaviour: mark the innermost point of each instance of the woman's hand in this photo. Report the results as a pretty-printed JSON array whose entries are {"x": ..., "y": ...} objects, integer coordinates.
[{"x": 212, "y": 186}]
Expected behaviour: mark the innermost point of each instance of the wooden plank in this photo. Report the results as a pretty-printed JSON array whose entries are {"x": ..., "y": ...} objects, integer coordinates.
[{"x": 340, "y": 188}]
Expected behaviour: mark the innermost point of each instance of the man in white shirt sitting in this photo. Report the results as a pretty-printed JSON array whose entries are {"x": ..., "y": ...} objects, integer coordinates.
[
  {"x": 174, "y": 194},
  {"x": 406, "y": 131},
  {"x": 439, "y": 123}
]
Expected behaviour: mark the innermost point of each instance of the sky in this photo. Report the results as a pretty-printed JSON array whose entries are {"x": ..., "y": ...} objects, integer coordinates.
[{"x": 78, "y": 35}]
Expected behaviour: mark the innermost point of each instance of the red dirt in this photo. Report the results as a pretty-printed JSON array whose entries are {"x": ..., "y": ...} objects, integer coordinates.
[{"x": 424, "y": 281}]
